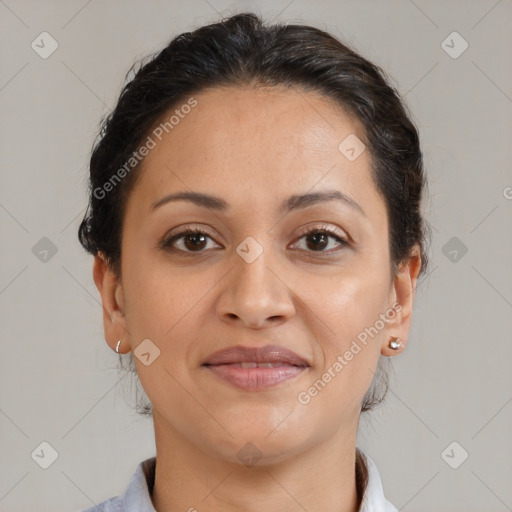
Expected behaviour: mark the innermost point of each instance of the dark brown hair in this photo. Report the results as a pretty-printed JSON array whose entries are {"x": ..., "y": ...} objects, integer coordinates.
[{"x": 243, "y": 51}]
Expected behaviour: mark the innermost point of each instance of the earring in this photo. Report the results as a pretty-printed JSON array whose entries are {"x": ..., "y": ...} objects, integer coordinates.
[
  {"x": 117, "y": 347},
  {"x": 394, "y": 343}
]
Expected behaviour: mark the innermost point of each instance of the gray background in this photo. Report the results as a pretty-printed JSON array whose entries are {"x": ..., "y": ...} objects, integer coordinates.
[{"x": 58, "y": 378}]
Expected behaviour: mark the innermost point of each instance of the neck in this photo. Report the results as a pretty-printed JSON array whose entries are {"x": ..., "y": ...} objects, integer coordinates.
[{"x": 187, "y": 478}]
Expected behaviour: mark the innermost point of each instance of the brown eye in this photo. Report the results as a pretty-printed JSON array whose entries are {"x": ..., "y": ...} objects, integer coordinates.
[
  {"x": 317, "y": 239},
  {"x": 193, "y": 240}
]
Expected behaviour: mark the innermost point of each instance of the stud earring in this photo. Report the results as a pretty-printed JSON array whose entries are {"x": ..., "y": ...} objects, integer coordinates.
[
  {"x": 394, "y": 343},
  {"x": 117, "y": 347}
]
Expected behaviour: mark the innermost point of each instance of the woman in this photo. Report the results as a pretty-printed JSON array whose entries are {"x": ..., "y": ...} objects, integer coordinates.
[{"x": 255, "y": 220}]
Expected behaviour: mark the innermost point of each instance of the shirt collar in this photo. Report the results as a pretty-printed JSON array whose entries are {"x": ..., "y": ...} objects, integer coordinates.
[
  {"x": 137, "y": 495},
  {"x": 373, "y": 496}
]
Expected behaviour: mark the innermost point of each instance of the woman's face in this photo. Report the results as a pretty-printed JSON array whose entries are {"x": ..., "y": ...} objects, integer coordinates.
[{"x": 253, "y": 277}]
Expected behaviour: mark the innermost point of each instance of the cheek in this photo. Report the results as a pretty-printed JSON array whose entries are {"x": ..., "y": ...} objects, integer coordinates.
[
  {"x": 348, "y": 350},
  {"x": 160, "y": 300},
  {"x": 165, "y": 306},
  {"x": 173, "y": 309},
  {"x": 349, "y": 330},
  {"x": 344, "y": 304}
]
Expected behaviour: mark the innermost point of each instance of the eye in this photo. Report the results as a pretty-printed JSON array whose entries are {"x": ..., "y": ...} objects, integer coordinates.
[
  {"x": 319, "y": 239},
  {"x": 194, "y": 240}
]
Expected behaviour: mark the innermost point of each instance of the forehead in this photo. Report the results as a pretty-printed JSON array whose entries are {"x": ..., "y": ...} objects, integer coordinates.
[{"x": 267, "y": 143}]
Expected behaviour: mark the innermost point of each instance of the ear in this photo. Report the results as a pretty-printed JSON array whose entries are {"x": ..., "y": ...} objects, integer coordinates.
[
  {"x": 112, "y": 298},
  {"x": 403, "y": 293}
]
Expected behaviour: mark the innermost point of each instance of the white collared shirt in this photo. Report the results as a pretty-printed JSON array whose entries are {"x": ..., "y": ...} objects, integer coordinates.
[{"x": 137, "y": 497}]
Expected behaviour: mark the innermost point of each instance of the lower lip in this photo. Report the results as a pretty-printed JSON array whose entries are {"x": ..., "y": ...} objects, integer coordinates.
[{"x": 255, "y": 378}]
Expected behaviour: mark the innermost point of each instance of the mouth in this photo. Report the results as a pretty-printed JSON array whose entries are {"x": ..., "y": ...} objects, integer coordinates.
[{"x": 254, "y": 368}]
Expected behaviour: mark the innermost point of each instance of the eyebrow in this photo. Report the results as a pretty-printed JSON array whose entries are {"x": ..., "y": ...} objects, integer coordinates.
[{"x": 294, "y": 202}]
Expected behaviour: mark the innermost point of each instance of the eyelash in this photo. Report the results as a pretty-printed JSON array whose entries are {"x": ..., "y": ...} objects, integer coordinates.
[{"x": 166, "y": 243}]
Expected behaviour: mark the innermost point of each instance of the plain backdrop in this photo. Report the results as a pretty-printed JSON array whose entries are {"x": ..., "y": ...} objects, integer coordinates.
[{"x": 58, "y": 378}]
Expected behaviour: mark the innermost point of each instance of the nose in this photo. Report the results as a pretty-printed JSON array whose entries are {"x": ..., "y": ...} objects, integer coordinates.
[{"x": 255, "y": 295}]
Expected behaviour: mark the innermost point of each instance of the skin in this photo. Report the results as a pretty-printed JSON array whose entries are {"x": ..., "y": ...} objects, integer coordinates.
[{"x": 254, "y": 148}]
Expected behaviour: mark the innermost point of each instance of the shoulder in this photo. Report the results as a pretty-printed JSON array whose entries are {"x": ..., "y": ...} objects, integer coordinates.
[
  {"x": 137, "y": 496},
  {"x": 110, "y": 505}
]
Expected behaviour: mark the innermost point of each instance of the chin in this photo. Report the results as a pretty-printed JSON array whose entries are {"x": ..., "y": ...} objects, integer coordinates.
[{"x": 261, "y": 446}]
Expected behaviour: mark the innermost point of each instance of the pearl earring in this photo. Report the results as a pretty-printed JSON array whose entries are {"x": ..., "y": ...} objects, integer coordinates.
[
  {"x": 394, "y": 343},
  {"x": 117, "y": 347}
]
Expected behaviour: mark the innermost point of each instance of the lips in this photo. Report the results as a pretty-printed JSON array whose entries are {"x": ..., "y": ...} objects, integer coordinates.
[
  {"x": 255, "y": 368},
  {"x": 270, "y": 354}
]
